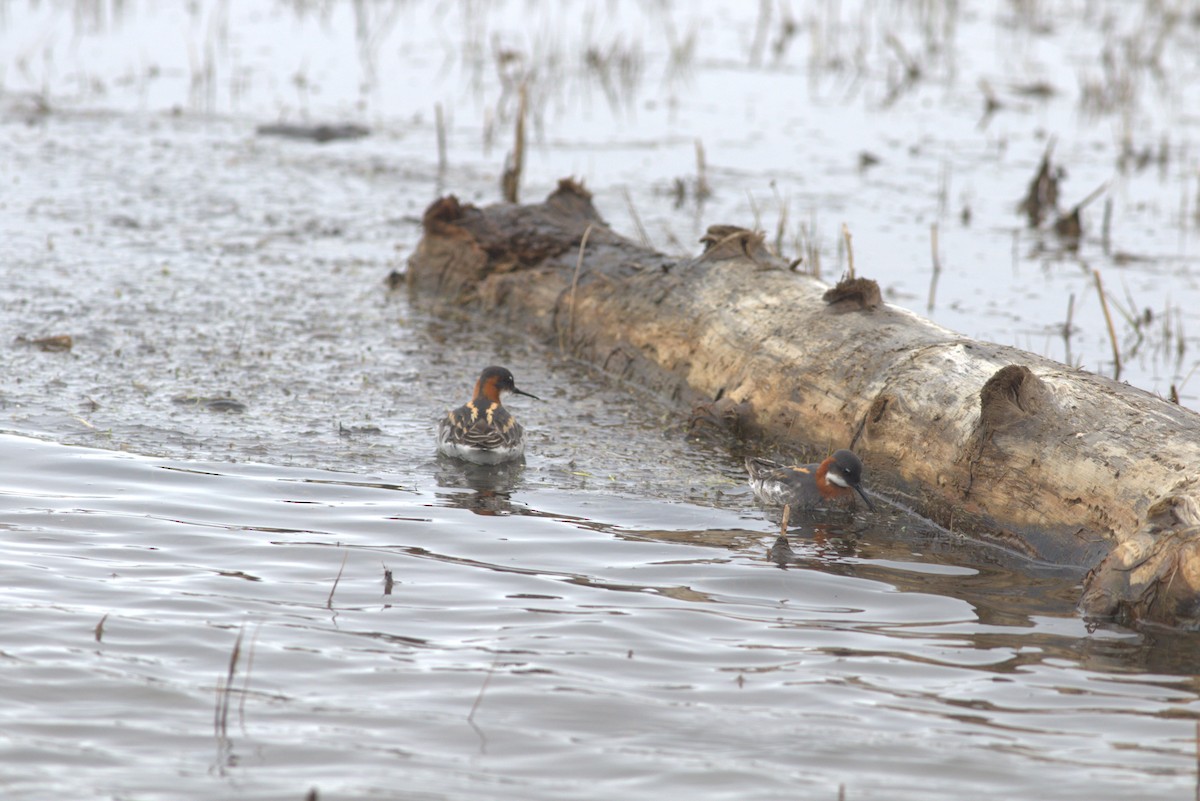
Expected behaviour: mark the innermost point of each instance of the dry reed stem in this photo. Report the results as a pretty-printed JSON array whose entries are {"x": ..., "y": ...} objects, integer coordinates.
[
  {"x": 246, "y": 677},
  {"x": 781, "y": 227},
  {"x": 1066, "y": 329},
  {"x": 754, "y": 210},
  {"x": 333, "y": 589},
  {"x": 221, "y": 715},
  {"x": 483, "y": 687},
  {"x": 643, "y": 237},
  {"x": 849, "y": 252},
  {"x": 574, "y": 285},
  {"x": 937, "y": 266},
  {"x": 510, "y": 183},
  {"x": 1112, "y": 332},
  {"x": 1106, "y": 226},
  {"x": 703, "y": 190},
  {"x": 440, "y": 116}
]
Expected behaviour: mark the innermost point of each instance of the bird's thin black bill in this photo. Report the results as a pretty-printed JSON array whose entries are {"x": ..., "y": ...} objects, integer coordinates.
[{"x": 870, "y": 505}]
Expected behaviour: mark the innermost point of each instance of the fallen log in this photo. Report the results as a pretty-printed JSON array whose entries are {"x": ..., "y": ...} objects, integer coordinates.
[{"x": 1056, "y": 463}]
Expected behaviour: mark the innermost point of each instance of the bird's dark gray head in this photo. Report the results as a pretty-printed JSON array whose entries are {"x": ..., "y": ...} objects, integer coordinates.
[{"x": 846, "y": 470}]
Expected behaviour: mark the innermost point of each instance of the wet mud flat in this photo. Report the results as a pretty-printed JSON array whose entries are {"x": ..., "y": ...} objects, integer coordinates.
[{"x": 277, "y": 587}]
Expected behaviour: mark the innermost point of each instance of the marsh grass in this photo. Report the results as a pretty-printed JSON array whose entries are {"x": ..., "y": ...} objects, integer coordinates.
[{"x": 561, "y": 64}]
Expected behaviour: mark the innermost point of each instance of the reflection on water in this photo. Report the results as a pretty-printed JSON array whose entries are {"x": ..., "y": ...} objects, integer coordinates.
[{"x": 490, "y": 486}]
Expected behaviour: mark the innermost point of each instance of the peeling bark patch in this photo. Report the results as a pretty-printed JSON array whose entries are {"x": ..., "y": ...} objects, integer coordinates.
[
  {"x": 872, "y": 418},
  {"x": 448, "y": 259},
  {"x": 854, "y": 294},
  {"x": 879, "y": 408}
]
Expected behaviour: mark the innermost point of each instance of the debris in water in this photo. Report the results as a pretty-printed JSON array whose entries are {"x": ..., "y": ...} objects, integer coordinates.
[
  {"x": 314, "y": 133},
  {"x": 1042, "y": 197},
  {"x": 52, "y": 344},
  {"x": 225, "y": 404}
]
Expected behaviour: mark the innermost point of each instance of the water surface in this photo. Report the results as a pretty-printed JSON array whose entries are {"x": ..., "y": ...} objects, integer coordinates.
[
  {"x": 550, "y": 643},
  {"x": 238, "y": 447}
]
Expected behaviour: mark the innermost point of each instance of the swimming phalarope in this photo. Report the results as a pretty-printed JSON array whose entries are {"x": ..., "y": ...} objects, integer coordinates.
[
  {"x": 832, "y": 482},
  {"x": 482, "y": 431}
]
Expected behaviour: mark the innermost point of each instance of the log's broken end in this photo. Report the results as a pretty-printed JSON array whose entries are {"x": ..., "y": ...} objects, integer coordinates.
[
  {"x": 448, "y": 259},
  {"x": 1153, "y": 576},
  {"x": 854, "y": 294}
]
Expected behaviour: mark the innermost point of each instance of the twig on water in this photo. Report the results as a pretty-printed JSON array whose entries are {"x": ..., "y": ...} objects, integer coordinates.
[
  {"x": 246, "y": 677},
  {"x": 224, "y": 690},
  {"x": 100, "y": 627},
  {"x": 333, "y": 589},
  {"x": 1112, "y": 332},
  {"x": 487, "y": 679},
  {"x": 783, "y": 524},
  {"x": 1070, "y": 225}
]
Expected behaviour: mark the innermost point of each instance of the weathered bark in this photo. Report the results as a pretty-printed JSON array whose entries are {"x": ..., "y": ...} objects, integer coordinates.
[{"x": 1059, "y": 464}]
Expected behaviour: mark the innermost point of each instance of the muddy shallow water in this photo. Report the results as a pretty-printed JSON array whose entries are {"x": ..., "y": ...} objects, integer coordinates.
[{"x": 239, "y": 442}]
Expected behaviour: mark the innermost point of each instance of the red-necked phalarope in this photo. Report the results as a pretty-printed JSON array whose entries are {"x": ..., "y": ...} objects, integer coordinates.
[
  {"x": 833, "y": 482},
  {"x": 482, "y": 431}
]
